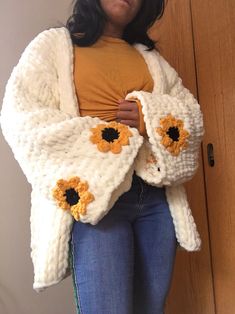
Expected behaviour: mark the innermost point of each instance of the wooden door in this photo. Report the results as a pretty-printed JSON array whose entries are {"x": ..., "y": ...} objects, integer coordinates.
[
  {"x": 214, "y": 37},
  {"x": 192, "y": 286}
]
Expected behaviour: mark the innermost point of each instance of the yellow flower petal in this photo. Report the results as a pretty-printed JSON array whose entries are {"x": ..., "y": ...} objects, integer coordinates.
[
  {"x": 103, "y": 146},
  {"x": 64, "y": 205},
  {"x": 73, "y": 182},
  {"x": 75, "y": 213},
  {"x": 124, "y": 141},
  {"x": 114, "y": 124},
  {"x": 82, "y": 186},
  {"x": 166, "y": 141},
  {"x": 160, "y": 131},
  {"x": 184, "y": 134},
  {"x": 116, "y": 148},
  {"x": 95, "y": 138}
]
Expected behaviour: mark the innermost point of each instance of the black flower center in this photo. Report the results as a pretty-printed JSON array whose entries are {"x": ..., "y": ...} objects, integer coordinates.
[
  {"x": 72, "y": 197},
  {"x": 173, "y": 133},
  {"x": 110, "y": 134}
]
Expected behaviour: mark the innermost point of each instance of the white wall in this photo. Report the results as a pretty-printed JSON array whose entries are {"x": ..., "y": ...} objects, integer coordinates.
[{"x": 20, "y": 21}]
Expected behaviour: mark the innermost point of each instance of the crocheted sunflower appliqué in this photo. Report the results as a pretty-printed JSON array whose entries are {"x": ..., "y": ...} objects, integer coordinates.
[
  {"x": 174, "y": 136},
  {"x": 73, "y": 195},
  {"x": 110, "y": 137}
]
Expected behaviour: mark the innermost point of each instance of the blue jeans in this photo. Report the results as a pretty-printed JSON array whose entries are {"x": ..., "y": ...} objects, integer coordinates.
[{"x": 124, "y": 264}]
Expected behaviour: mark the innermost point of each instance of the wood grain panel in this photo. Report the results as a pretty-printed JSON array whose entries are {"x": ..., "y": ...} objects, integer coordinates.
[
  {"x": 214, "y": 29},
  {"x": 192, "y": 289}
]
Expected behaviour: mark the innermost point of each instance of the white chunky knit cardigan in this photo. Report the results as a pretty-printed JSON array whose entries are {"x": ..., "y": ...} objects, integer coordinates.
[{"x": 58, "y": 155}]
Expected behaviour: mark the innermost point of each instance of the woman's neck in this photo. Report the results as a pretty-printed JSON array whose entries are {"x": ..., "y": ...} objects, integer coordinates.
[{"x": 113, "y": 30}]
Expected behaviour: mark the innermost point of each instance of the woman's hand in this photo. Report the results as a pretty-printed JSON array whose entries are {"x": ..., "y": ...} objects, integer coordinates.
[{"x": 128, "y": 113}]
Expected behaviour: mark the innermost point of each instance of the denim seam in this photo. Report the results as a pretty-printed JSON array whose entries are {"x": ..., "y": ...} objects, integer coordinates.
[
  {"x": 75, "y": 281},
  {"x": 141, "y": 199}
]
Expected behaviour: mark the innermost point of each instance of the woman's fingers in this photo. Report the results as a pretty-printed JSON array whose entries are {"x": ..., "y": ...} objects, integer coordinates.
[
  {"x": 127, "y": 115},
  {"x": 131, "y": 123},
  {"x": 128, "y": 106}
]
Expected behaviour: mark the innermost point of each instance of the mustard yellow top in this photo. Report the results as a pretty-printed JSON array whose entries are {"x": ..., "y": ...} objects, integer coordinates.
[{"x": 106, "y": 72}]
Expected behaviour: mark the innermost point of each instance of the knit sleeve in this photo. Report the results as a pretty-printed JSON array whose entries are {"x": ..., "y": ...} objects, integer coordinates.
[
  {"x": 73, "y": 162},
  {"x": 174, "y": 124}
]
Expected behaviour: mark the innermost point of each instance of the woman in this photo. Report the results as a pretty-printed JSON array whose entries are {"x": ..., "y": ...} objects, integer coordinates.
[{"x": 106, "y": 134}]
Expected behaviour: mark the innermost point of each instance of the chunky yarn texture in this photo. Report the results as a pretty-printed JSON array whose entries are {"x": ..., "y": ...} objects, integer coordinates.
[{"x": 79, "y": 166}]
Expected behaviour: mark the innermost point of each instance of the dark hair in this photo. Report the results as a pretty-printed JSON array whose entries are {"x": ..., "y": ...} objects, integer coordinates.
[{"x": 86, "y": 24}]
